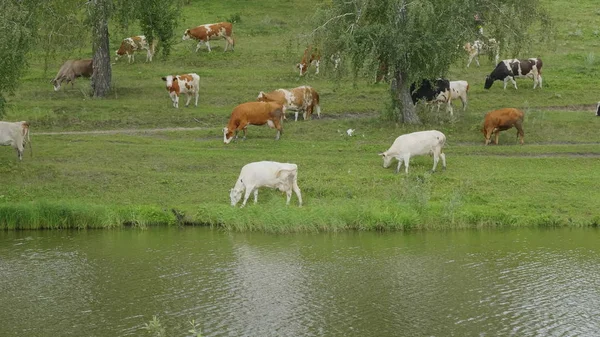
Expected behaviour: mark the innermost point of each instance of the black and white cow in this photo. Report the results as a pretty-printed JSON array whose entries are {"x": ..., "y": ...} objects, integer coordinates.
[
  {"x": 432, "y": 91},
  {"x": 509, "y": 69}
]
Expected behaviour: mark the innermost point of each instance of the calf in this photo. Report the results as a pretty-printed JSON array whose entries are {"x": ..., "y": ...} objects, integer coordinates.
[
  {"x": 458, "y": 89},
  {"x": 135, "y": 43},
  {"x": 16, "y": 135},
  {"x": 500, "y": 120},
  {"x": 72, "y": 69},
  {"x": 254, "y": 113},
  {"x": 282, "y": 176},
  {"x": 302, "y": 98},
  {"x": 212, "y": 31},
  {"x": 430, "y": 93},
  {"x": 509, "y": 69},
  {"x": 479, "y": 47},
  {"x": 183, "y": 84},
  {"x": 310, "y": 57},
  {"x": 415, "y": 144}
]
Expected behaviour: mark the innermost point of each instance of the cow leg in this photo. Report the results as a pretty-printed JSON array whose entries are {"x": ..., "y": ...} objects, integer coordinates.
[
  {"x": 400, "y": 160},
  {"x": 520, "y": 132},
  {"x": 317, "y": 66},
  {"x": 308, "y": 112},
  {"x": 443, "y": 156},
  {"x": 496, "y": 136},
  {"x": 296, "y": 115},
  {"x": 298, "y": 193},
  {"x": 249, "y": 190},
  {"x": 406, "y": 160},
  {"x": 176, "y": 101},
  {"x": 436, "y": 158},
  {"x": 20, "y": 153},
  {"x": 288, "y": 195},
  {"x": 463, "y": 99},
  {"x": 449, "y": 107},
  {"x": 197, "y": 95},
  {"x": 506, "y": 81},
  {"x": 477, "y": 59},
  {"x": 255, "y": 195},
  {"x": 189, "y": 98},
  {"x": 514, "y": 82},
  {"x": 470, "y": 60},
  {"x": 208, "y": 45},
  {"x": 279, "y": 128},
  {"x": 540, "y": 80}
]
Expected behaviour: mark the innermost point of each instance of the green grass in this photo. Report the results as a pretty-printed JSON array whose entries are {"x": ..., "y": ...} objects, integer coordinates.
[{"x": 137, "y": 178}]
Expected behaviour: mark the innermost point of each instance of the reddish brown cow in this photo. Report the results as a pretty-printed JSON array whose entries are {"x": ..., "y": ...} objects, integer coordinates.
[
  {"x": 500, "y": 120},
  {"x": 254, "y": 113},
  {"x": 310, "y": 57},
  {"x": 212, "y": 31}
]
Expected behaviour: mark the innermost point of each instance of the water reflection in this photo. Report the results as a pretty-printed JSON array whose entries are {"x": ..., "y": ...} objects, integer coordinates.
[{"x": 109, "y": 283}]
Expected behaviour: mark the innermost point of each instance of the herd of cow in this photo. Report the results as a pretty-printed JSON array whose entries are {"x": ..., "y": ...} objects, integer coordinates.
[{"x": 270, "y": 108}]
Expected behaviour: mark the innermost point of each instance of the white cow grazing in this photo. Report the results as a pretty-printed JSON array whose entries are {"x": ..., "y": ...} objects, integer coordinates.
[
  {"x": 16, "y": 135},
  {"x": 415, "y": 144},
  {"x": 458, "y": 89},
  {"x": 282, "y": 176}
]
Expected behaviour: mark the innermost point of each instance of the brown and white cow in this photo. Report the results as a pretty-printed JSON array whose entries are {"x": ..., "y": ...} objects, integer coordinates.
[
  {"x": 509, "y": 69},
  {"x": 135, "y": 43},
  {"x": 72, "y": 69},
  {"x": 188, "y": 84},
  {"x": 254, "y": 113},
  {"x": 500, "y": 120},
  {"x": 310, "y": 57},
  {"x": 16, "y": 135},
  {"x": 212, "y": 31},
  {"x": 302, "y": 98}
]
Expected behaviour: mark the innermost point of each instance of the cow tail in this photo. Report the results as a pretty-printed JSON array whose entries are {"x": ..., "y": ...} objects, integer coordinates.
[
  {"x": 468, "y": 87},
  {"x": 26, "y": 134},
  {"x": 153, "y": 46}
]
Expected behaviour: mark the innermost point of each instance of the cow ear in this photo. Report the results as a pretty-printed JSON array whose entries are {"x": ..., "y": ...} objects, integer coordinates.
[{"x": 164, "y": 78}]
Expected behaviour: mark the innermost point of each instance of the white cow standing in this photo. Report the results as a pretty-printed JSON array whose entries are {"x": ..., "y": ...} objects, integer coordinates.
[
  {"x": 415, "y": 144},
  {"x": 188, "y": 84},
  {"x": 282, "y": 176},
  {"x": 16, "y": 135}
]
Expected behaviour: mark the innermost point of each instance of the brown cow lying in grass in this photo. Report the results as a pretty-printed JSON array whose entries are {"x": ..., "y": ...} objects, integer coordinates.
[
  {"x": 500, "y": 120},
  {"x": 254, "y": 113}
]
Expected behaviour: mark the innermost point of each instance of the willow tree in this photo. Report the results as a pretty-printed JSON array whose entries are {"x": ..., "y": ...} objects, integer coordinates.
[
  {"x": 417, "y": 39},
  {"x": 157, "y": 20}
]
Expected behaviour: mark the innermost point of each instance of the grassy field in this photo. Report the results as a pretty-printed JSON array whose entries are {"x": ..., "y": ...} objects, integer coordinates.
[{"x": 137, "y": 176}]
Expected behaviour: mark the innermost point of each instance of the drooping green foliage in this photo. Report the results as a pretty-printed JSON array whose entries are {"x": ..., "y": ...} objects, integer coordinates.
[
  {"x": 420, "y": 38},
  {"x": 157, "y": 19},
  {"x": 17, "y": 24}
]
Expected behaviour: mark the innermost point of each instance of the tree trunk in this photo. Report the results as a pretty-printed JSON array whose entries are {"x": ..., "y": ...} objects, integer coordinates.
[
  {"x": 402, "y": 92},
  {"x": 102, "y": 70}
]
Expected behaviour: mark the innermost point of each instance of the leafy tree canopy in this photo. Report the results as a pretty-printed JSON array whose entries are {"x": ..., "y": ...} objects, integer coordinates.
[{"x": 420, "y": 38}]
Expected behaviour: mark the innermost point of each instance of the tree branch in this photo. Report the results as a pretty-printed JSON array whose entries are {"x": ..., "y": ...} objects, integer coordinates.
[{"x": 333, "y": 18}]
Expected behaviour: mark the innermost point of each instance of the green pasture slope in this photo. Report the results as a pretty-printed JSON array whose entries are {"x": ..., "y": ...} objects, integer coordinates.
[{"x": 137, "y": 177}]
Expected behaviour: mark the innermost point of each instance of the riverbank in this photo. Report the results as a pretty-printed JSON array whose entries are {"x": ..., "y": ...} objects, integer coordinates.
[
  {"x": 113, "y": 180},
  {"x": 130, "y": 159}
]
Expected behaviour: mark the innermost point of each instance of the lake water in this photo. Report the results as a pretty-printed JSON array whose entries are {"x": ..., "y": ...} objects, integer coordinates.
[{"x": 521, "y": 282}]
